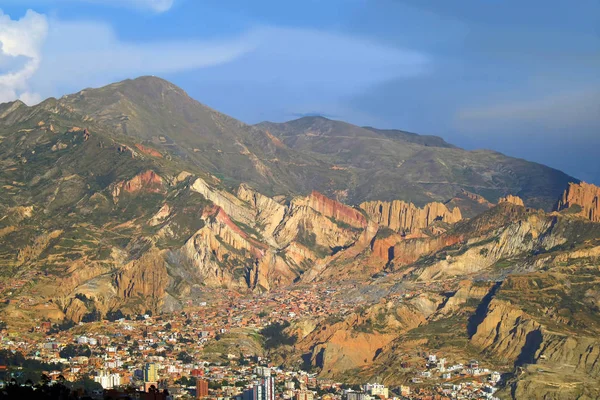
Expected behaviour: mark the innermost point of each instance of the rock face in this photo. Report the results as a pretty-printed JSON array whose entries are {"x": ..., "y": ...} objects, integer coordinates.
[
  {"x": 147, "y": 181},
  {"x": 218, "y": 243},
  {"x": 516, "y": 200},
  {"x": 524, "y": 325},
  {"x": 230, "y": 204},
  {"x": 269, "y": 213},
  {"x": 506, "y": 330},
  {"x": 143, "y": 281},
  {"x": 334, "y": 209},
  {"x": 75, "y": 310},
  {"x": 149, "y": 151},
  {"x": 583, "y": 196},
  {"x": 406, "y": 217}
]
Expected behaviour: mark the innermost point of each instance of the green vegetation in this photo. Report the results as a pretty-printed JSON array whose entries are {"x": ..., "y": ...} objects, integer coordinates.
[
  {"x": 385, "y": 232},
  {"x": 72, "y": 350},
  {"x": 275, "y": 336}
]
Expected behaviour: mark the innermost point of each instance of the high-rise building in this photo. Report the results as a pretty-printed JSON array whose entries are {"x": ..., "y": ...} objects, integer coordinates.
[
  {"x": 108, "y": 381},
  {"x": 268, "y": 384},
  {"x": 254, "y": 393},
  {"x": 262, "y": 390},
  {"x": 150, "y": 372},
  {"x": 201, "y": 388}
]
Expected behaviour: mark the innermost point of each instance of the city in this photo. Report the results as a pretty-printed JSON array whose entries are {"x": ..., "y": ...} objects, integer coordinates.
[{"x": 168, "y": 354}]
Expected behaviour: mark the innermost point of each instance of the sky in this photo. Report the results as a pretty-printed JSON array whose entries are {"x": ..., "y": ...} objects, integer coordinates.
[{"x": 513, "y": 76}]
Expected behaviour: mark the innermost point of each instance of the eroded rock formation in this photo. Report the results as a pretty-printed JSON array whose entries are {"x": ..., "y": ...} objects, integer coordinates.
[
  {"x": 584, "y": 199},
  {"x": 406, "y": 217},
  {"x": 143, "y": 281},
  {"x": 334, "y": 209},
  {"x": 516, "y": 200},
  {"x": 147, "y": 181}
]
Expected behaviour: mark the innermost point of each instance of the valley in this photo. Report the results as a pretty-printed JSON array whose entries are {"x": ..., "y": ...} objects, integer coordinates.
[{"x": 346, "y": 253}]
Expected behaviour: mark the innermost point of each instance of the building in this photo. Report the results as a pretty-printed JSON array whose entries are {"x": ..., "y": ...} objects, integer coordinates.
[
  {"x": 268, "y": 384},
  {"x": 304, "y": 395},
  {"x": 201, "y": 388},
  {"x": 151, "y": 372},
  {"x": 350, "y": 395},
  {"x": 254, "y": 393},
  {"x": 265, "y": 389},
  {"x": 108, "y": 381},
  {"x": 404, "y": 390},
  {"x": 262, "y": 390},
  {"x": 375, "y": 389}
]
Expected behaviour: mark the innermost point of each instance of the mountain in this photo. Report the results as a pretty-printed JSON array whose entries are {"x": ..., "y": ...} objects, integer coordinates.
[
  {"x": 135, "y": 197},
  {"x": 346, "y": 162},
  {"x": 390, "y": 164},
  {"x": 153, "y": 110}
]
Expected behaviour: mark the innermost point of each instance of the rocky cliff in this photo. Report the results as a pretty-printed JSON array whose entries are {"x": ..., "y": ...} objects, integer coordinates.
[
  {"x": 147, "y": 181},
  {"x": 334, "y": 209},
  {"x": 516, "y": 200},
  {"x": 582, "y": 199},
  {"x": 142, "y": 282},
  {"x": 407, "y": 218}
]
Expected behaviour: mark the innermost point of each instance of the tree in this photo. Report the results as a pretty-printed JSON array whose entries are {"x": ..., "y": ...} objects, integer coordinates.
[
  {"x": 71, "y": 350},
  {"x": 114, "y": 315},
  {"x": 92, "y": 316},
  {"x": 275, "y": 335},
  {"x": 184, "y": 357},
  {"x": 187, "y": 381}
]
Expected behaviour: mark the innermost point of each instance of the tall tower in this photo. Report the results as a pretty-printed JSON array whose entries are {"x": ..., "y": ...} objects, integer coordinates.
[
  {"x": 150, "y": 372},
  {"x": 269, "y": 388},
  {"x": 201, "y": 388}
]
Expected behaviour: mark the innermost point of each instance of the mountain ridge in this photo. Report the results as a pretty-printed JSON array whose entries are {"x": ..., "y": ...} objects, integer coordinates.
[{"x": 350, "y": 163}]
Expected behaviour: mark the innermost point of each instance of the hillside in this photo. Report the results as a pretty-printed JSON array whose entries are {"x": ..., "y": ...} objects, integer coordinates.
[
  {"x": 346, "y": 162},
  {"x": 389, "y": 164}
]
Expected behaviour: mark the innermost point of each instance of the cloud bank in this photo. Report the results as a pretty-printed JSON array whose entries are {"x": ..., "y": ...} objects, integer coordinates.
[
  {"x": 66, "y": 56},
  {"x": 20, "y": 54}
]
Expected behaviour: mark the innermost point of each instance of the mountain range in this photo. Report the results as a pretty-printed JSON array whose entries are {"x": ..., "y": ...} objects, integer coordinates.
[{"x": 136, "y": 197}]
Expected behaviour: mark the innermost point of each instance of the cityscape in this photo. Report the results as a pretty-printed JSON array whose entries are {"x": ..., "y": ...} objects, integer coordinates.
[{"x": 164, "y": 356}]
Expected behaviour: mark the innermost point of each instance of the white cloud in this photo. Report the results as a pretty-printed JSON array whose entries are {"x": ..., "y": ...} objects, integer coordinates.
[
  {"x": 67, "y": 56},
  {"x": 56, "y": 57},
  {"x": 20, "y": 41}
]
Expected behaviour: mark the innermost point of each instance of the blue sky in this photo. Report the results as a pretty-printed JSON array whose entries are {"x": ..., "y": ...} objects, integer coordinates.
[{"x": 517, "y": 77}]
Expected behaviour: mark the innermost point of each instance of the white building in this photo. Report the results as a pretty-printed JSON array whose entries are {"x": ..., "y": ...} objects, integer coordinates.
[
  {"x": 108, "y": 381},
  {"x": 82, "y": 340},
  {"x": 375, "y": 389},
  {"x": 350, "y": 395}
]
